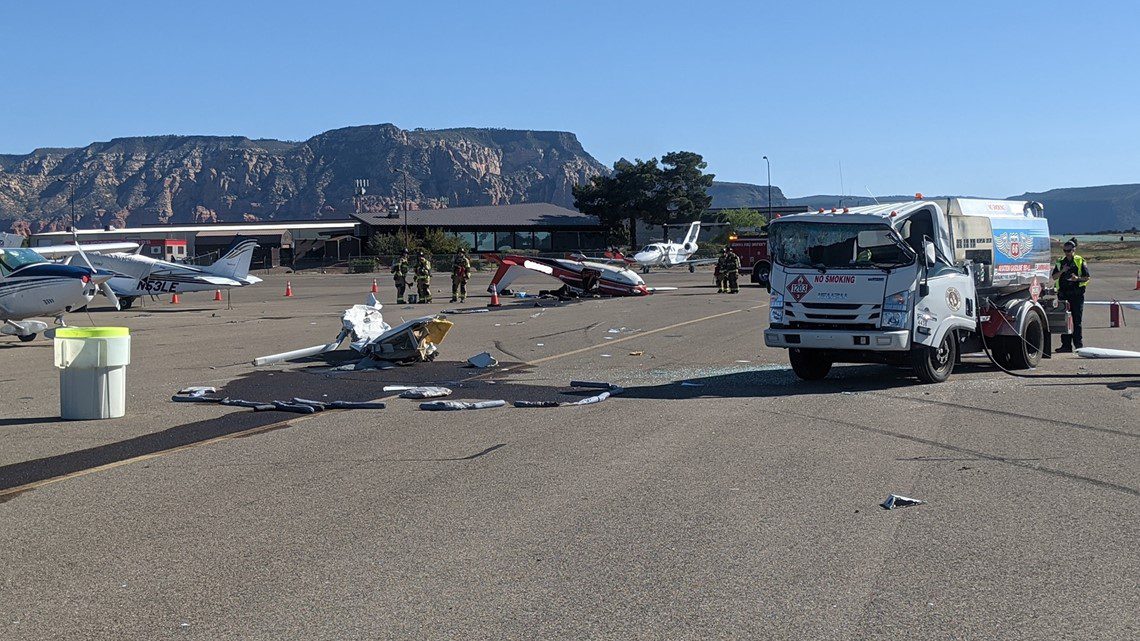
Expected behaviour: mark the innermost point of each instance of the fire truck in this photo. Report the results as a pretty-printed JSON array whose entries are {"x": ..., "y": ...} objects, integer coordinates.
[{"x": 751, "y": 244}]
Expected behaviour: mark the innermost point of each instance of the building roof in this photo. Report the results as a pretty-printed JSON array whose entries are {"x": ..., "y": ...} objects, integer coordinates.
[
  {"x": 486, "y": 217},
  {"x": 248, "y": 228}
]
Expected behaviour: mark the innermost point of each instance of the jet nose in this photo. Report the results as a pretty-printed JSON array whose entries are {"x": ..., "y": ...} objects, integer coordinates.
[{"x": 644, "y": 257}]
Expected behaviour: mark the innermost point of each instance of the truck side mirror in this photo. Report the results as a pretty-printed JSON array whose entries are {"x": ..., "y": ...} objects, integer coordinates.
[{"x": 929, "y": 253}]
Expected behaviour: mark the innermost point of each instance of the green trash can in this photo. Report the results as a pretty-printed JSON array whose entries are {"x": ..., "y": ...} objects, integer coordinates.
[{"x": 93, "y": 371}]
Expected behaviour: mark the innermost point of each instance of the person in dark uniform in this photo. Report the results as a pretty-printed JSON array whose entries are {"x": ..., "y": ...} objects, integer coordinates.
[
  {"x": 423, "y": 277},
  {"x": 400, "y": 275},
  {"x": 1071, "y": 276},
  {"x": 460, "y": 274},
  {"x": 731, "y": 270}
]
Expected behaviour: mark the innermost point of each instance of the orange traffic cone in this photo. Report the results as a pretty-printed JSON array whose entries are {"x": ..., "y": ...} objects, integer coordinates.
[
  {"x": 494, "y": 296},
  {"x": 174, "y": 299},
  {"x": 288, "y": 289},
  {"x": 375, "y": 287},
  {"x": 217, "y": 294}
]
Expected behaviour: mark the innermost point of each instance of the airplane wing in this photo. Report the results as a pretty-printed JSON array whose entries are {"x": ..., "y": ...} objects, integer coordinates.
[
  {"x": 608, "y": 257},
  {"x": 59, "y": 251},
  {"x": 696, "y": 262}
]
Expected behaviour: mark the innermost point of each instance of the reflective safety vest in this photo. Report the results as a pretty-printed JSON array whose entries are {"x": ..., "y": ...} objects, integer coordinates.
[{"x": 1078, "y": 263}]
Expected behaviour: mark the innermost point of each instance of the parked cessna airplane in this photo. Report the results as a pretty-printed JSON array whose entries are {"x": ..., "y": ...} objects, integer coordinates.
[
  {"x": 31, "y": 285},
  {"x": 580, "y": 276},
  {"x": 136, "y": 275},
  {"x": 664, "y": 254}
]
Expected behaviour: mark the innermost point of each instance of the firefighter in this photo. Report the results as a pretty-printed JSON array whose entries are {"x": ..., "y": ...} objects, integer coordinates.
[
  {"x": 423, "y": 277},
  {"x": 1071, "y": 276},
  {"x": 460, "y": 274},
  {"x": 400, "y": 275},
  {"x": 718, "y": 271},
  {"x": 731, "y": 270}
]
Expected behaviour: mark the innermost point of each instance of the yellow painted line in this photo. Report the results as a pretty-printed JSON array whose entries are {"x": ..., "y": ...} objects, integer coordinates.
[{"x": 304, "y": 417}]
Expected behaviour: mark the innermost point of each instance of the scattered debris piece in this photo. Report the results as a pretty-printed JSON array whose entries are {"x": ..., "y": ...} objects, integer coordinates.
[
  {"x": 637, "y": 353},
  {"x": 607, "y": 355},
  {"x": 482, "y": 360},
  {"x": 849, "y": 393},
  {"x": 895, "y": 501},
  {"x": 610, "y": 390},
  {"x": 743, "y": 361},
  {"x": 1100, "y": 352},
  {"x": 435, "y": 406},
  {"x": 593, "y": 384},
  {"x": 466, "y": 310},
  {"x": 540, "y": 344},
  {"x": 426, "y": 392},
  {"x": 198, "y": 390}
]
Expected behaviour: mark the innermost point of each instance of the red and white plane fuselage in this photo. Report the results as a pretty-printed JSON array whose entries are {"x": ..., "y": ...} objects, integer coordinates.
[{"x": 579, "y": 275}]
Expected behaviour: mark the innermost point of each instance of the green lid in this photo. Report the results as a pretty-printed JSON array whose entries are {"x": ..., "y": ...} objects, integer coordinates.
[{"x": 91, "y": 332}]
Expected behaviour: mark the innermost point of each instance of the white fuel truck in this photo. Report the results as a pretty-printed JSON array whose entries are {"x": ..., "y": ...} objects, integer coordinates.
[{"x": 917, "y": 284}]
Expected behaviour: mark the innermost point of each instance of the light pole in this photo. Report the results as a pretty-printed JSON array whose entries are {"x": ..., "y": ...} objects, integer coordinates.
[
  {"x": 769, "y": 163},
  {"x": 404, "y": 170}
]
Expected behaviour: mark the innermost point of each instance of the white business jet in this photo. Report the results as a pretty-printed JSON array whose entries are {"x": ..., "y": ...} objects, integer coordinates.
[{"x": 670, "y": 254}]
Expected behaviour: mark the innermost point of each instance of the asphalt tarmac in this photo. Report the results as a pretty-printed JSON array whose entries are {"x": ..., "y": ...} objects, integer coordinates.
[{"x": 719, "y": 497}]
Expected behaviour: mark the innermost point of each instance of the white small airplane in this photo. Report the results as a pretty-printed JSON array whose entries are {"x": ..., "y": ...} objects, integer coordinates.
[
  {"x": 136, "y": 275},
  {"x": 665, "y": 254},
  {"x": 31, "y": 285}
]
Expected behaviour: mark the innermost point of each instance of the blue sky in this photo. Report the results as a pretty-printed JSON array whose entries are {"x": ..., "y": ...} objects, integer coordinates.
[{"x": 980, "y": 98}]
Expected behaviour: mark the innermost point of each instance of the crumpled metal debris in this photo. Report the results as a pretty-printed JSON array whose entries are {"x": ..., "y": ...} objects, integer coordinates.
[
  {"x": 416, "y": 340},
  {"x": 610, "y": 390},
  {"x": 425, "y": 392},
  {"x": 895, "y": 501},
  {"x": 482, "y": 360},
  {"x": 435, "y": 406}
]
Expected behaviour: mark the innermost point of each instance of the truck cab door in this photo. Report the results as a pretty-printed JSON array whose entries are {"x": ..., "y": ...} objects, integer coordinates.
[{"x": 946, "y": 300}]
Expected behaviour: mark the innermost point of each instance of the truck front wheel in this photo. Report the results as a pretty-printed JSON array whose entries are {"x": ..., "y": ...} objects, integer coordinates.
[
  {"x": 934, "y": 364},
  {"x": 809, "y": 364}
]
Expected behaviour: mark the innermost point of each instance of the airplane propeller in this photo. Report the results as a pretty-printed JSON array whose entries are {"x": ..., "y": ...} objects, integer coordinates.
[{"x": 105, "y": 285}]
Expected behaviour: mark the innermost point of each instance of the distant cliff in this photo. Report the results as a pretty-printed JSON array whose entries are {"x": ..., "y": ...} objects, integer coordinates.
[
  {"x": 1071, "y": 210},
  {"x": 179, "y": 179},
  {"x": 1089, "y": 209},
  {"x": 744, "y": 195}
]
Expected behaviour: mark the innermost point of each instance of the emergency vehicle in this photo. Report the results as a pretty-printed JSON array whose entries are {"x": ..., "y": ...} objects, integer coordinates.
[{"x": 751, "y": 245}]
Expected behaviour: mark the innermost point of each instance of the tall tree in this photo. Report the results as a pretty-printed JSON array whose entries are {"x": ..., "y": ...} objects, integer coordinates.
[
  {"x": 623, "y": 198},
  {"x": 682, "y": 189}
]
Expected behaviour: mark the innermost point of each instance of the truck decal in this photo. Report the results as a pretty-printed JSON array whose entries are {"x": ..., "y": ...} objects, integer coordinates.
[{"x": 799, "y": 287}]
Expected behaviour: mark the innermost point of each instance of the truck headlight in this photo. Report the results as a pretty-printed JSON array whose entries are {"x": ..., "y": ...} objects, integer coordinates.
[
  {"x": 897, "y": 302},
  {"x": 894, "y": 319},
  {"x": 776, "y": 308}
]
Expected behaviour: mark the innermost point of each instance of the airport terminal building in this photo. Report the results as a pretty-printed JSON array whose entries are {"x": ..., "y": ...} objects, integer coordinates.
[{"x": 539, "y": 226}]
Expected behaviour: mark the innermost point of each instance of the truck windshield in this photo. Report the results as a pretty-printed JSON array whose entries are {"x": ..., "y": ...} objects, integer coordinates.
[{"x": 837, "y": 246}]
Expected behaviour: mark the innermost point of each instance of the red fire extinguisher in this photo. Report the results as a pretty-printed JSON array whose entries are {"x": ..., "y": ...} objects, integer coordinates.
[{"x": 1116, "y": 315}]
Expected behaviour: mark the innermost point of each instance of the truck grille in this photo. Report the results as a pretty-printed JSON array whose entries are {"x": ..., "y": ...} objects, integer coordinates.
[{"x": 833, "y": 315}]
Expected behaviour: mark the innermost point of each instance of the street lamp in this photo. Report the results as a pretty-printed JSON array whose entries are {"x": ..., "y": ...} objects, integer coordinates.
[{"x": 769, "y": 163}]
